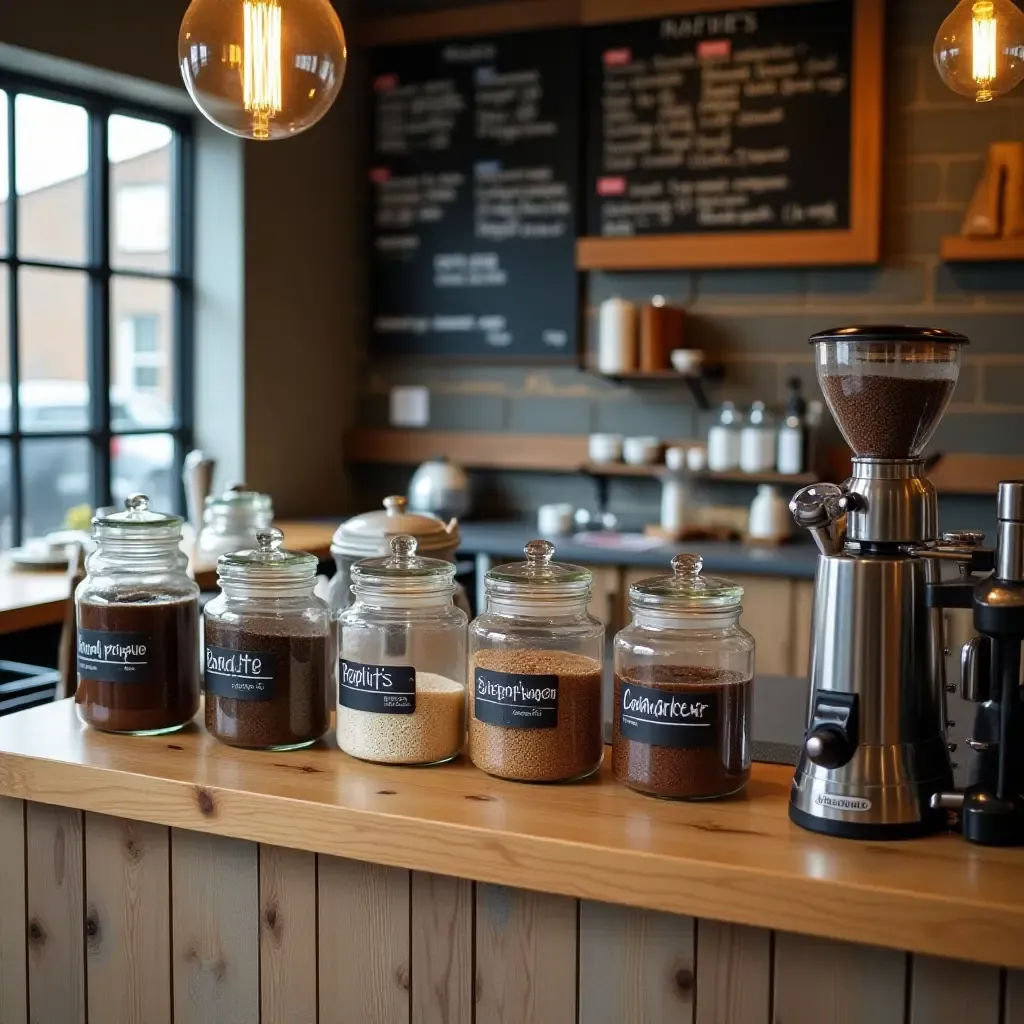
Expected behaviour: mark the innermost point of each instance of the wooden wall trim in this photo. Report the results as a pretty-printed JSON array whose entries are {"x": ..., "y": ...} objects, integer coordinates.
[{"x": 485, "y": 19}]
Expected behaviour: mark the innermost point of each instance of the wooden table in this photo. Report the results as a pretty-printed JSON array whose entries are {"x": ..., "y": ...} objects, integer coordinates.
[
  {"x": 30, "y": 598},
  {"x": 442, "y": 895}
]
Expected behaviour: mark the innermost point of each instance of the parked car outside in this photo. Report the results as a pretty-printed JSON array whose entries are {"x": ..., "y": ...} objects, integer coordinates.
[{"x": 57, "y": 472}]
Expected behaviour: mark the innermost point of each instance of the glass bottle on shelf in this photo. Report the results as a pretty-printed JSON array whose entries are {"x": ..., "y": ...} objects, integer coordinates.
[{"x": 724, "y": 440}]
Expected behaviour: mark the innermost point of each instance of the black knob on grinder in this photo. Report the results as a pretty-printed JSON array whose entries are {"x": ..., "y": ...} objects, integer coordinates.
[{"x": 829, "y": 746}]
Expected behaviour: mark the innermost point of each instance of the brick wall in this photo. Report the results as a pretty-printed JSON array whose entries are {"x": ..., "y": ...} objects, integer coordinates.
[{"x": 758, "y": 321}]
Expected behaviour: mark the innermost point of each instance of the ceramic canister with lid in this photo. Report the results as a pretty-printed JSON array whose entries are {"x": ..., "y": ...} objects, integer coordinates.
[
  {"x": 535, "y": 664},
  {"x": 138, "y": 625},
  {"x": 268, "y": 661},
  {"x": 231, "y": 520},
  {"x": 369, "y": 535},
  {"x": 402, "y": 677},
  {"x": 683, "y": 678}
]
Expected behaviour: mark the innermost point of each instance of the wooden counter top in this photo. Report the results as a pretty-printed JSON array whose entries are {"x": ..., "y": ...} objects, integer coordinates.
[
  {"x": 738, "y": 861},
  {"x": 30, "y": 598}
]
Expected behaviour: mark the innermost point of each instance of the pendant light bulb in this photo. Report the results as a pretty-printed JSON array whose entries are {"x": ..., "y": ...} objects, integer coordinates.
[
  {"x": 262, "y": 69},
  {"x": 979, "y": 48}
]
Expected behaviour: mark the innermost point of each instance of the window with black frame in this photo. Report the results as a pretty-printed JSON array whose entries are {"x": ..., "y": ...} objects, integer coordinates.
[{"x": 95, "y": 306}]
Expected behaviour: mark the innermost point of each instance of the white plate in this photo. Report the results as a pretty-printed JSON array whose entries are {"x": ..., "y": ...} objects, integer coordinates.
[{"x": 40, "y": 557}]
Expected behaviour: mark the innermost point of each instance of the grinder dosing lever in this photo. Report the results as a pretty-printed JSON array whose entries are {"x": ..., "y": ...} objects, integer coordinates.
[{"x": 821, "y": 510}]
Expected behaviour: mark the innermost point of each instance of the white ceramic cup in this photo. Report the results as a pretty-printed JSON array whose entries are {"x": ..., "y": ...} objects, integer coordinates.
[
  {"x": 675, "y": 458},
  {"x": 687, "y": 360},
  {"x": 696, "y": 459},
  {"x": 641, "y": 451},
  {"x": 555, "y": 520},
  {"x": 604, "y": 447}
]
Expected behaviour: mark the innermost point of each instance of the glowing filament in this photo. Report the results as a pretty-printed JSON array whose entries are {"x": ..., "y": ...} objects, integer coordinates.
[
  {"x": 984, "y": 51},
  {"x": 261, "y": 68}
]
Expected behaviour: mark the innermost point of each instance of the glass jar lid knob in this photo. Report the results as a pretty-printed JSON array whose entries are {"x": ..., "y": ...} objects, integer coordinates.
[
  {"x": 268, "y": 543},
  {"x": 395, "y": 504},
  {"x": 539, "y": 553},
  {"x": 403, "y": 548},
  {"x": 687, "y": 568},
  {"x": 136, "y": 503}
]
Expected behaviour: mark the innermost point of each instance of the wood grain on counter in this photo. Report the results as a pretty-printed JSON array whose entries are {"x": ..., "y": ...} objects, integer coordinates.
[{"x": 738, "y": 861}]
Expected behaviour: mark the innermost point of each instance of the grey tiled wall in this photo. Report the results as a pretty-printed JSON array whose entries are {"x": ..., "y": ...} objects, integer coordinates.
[{"x": 758, "y": 322}]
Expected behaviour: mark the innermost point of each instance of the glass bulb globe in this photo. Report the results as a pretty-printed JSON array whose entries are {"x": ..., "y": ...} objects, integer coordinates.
[
  {"x": 979, "y": 48},
  {"x": 262, "y": 69}
]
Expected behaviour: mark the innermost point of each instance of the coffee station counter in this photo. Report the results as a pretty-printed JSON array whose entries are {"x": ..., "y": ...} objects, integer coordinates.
[{"x": 738, "y": 860}]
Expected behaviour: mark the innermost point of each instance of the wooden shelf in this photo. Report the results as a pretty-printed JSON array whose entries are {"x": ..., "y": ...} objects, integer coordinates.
[
  {"x": 739, "y": 860},
  {"x": 957, "y": 249},
  {"x": 625, "y": 469},
  {"x": 694, "y": 381}
]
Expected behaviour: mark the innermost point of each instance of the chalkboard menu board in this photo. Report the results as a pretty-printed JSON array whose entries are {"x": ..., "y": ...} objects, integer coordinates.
[
  {"x": 474, "y": 178},
  {"x": 727, "y": 121}
]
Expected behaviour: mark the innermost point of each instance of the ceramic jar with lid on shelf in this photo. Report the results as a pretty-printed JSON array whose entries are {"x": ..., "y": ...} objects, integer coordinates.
[
  {"x": 231, "y": 521},
  {"x": 138, "y": 625},
  {"x": 268, "y": 661},
  {"x": 402, "y": 680},
  {"x": 369, "y": 536},
  {"x": 535, "y": 664},
  {"x": 683, "y": 682}
]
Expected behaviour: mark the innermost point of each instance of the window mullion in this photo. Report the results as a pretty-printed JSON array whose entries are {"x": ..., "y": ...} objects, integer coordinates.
[
  {"x": 99, "y": 304},
  {"x": 182, "y": 169},
  {"x": 13, "y": 367}
]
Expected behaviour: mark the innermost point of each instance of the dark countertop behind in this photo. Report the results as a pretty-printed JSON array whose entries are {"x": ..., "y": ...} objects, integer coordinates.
[{"x": 796, "y": 560}]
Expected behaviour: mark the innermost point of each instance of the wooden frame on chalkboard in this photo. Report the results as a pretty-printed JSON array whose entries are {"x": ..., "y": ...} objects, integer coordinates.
[{"x": 861, "y": 243}]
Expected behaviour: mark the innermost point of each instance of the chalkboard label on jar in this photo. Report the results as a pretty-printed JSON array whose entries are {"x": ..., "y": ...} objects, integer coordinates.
[
  {"x": 668, "y": 718},
  {"x": 115, "y": 657},
  {"x": 514, "y": 700},
  {"x": 380, "y": 689},
  {"x": 242, "y": 675}
]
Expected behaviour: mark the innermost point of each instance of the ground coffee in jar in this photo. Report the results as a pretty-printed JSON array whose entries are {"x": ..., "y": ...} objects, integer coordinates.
[
  {"x": 683, "y": 671},
  {"x": 267, "y": 666},
  {"x": 138, "y": 625},
  {"x": 535, "y": 715},
  {"x": 535, "y": 662}
]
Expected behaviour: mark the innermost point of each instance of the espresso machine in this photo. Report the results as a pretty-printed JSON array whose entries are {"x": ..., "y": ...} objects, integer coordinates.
[
  {"x": 875, "y": 750},
  {"x": 991, "y": 808}
]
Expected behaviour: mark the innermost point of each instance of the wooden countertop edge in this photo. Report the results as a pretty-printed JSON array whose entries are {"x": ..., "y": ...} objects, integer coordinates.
[{"x": 947, "y": 926}]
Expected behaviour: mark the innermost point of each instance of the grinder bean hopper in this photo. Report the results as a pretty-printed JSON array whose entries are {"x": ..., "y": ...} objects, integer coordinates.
[{"x": 875, "y": 748}]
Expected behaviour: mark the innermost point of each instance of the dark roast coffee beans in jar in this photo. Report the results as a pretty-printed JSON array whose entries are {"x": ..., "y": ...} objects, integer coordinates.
[
  {"x": 535, "y": 667},
  {"x": 683, "y": 678},
  {"x": 138, "y": 625},
  {"x": 266, "y": 659}
]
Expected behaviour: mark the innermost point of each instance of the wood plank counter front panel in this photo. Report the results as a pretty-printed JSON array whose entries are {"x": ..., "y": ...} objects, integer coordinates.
[{"x": 260, "y": 933}]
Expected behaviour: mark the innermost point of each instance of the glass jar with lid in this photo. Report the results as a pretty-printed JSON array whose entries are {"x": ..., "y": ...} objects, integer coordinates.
[
  {"x": 683, "y": 680},
  {"x": 535, "y": 658},
  {"x": 267, "y": 659},
  {"x": 402, "y": 681},
  {"x": 231, "y": 520},
  {"x": 138, "y": 625}
]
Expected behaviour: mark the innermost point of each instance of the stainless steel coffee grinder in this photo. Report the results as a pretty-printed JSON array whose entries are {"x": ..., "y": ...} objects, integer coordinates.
[{"x": 875, "y": 749}]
